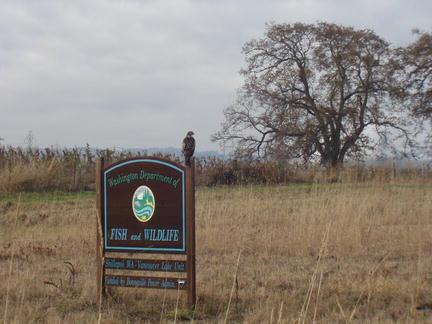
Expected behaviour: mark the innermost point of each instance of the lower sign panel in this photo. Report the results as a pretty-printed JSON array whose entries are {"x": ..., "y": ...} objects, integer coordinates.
[
  {"x": 145, "y": 265},
  {"x": 145, "y": 282}
]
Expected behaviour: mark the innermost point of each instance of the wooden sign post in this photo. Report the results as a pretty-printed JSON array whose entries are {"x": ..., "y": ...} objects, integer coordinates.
[
  {"x": 191, "y": 273},
  {"x": 147, "y": 206}
]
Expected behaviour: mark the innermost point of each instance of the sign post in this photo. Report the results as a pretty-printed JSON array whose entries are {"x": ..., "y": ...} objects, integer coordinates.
[
  {"x": 99, "y": 247},
  {"x": 191, "y": 237},
  {"x": 147, "y": 206}
]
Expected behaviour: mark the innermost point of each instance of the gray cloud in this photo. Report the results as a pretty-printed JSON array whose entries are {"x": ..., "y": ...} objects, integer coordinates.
[{"x": 142, "y": 73}]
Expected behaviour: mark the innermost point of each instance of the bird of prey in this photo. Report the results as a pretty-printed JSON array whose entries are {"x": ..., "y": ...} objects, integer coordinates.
[{"x": 188, "y": 147}]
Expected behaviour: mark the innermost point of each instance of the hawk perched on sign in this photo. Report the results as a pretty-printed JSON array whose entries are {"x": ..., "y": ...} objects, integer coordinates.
[{"x": 188, "y": 147}]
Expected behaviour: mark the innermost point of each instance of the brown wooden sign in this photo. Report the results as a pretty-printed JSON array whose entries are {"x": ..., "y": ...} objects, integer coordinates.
[{"x": 145, "y": 205}]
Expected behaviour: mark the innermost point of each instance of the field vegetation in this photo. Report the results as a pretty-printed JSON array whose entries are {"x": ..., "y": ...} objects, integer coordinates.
[
  {"x": 296, "y": 253},
  {"x": 73, "y": 170}
]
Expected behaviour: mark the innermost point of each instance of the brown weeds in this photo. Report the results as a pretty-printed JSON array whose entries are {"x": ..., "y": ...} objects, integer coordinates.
[{"x": 49, "y": 169}]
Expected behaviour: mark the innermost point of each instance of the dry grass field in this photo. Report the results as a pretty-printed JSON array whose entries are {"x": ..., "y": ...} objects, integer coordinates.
[{"x": 325, "y": 253}]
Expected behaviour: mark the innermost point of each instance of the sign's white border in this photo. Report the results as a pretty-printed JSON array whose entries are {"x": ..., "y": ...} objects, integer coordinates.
[{"x": 106, "y": 216}]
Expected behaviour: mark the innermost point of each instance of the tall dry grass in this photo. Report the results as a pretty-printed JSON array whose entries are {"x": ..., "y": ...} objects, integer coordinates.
[
  {"x": 327, "y": 253},
  {"x": 73, "y": 169}
]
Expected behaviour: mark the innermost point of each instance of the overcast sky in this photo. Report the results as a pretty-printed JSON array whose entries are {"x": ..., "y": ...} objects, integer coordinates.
[{"x": 140, "y": 73}]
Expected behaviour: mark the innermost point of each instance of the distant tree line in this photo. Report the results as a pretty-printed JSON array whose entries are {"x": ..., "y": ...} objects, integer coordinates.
[
  {"x": 323, "y": 93},
  {"x": 33, "y": 169}
]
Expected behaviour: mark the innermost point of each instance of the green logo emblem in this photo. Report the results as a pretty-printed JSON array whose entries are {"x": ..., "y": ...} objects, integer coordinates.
[{"x": 143, "y": 203}]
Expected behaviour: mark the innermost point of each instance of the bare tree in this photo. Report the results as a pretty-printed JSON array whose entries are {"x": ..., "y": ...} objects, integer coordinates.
[
  {"x": 311, "y": 92},
  {"x": 415, "y": 66}
]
